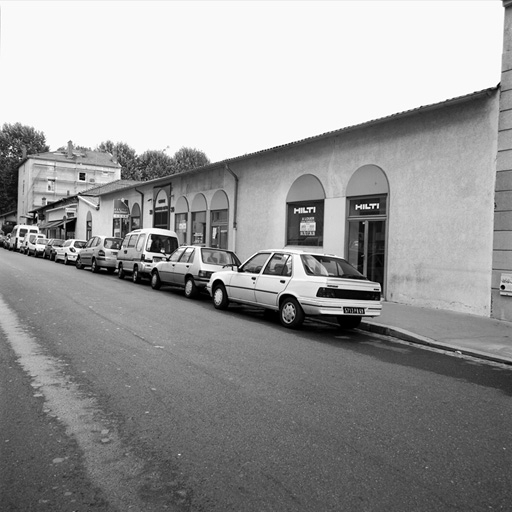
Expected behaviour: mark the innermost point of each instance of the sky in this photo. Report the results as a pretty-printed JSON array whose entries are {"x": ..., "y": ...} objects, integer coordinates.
[{"x": 235, "y": 77}]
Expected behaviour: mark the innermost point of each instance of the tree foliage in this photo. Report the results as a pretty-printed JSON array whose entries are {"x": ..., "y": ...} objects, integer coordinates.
[
  {"x": 126, "y": 157},
  {"x": 154, "y": 164},
  {"x": 14, "y": 139},
  {"x": 188, "y": 158}
]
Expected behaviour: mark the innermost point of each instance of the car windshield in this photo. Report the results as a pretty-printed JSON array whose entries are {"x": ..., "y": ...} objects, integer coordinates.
[
  {"x": 161, "y": 243},
  {"x": 43, "y": 241},
  {"x": 329, "y": 266},
  {"x": 217, "y": 257},
  {"x": 113, "y": 243}
]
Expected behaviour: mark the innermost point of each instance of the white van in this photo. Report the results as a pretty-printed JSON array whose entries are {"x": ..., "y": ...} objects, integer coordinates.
[
  {"x": 141, "y": 249},
  {"x": 18, "y": 233}
]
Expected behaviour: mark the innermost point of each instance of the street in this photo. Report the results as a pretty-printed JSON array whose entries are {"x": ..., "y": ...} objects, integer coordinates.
[{"x": 156, "y": 402}]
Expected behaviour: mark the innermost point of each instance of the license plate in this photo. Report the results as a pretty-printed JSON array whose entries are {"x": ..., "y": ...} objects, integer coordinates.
[{"x": 353, "y": 311}]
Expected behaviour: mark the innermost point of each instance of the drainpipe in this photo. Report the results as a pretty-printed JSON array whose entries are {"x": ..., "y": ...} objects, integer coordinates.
[
  {"x": 235, "y": 204},
  {"x": 141, "y": 207}
]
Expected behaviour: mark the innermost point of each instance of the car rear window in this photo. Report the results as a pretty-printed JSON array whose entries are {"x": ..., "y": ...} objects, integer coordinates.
[
  {"x": 216, "y": 257},
  {"x": 329, "y": 266},
  {"x": 79, "y": 244},
  {"x": 157, "y": 243},
  {"x": 112, "y": 243}
]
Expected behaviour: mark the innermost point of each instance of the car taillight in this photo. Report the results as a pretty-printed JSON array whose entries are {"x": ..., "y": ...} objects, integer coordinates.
[
  {"x": 101, "y": 253},
  {"x": 205, "y": 273},
  {"x": 326, "y": 293},
  {"x": 72, "y": 249}
]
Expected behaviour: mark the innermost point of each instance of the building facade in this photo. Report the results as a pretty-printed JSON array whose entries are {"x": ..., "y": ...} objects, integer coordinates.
[{"x": 48, "y": 177}]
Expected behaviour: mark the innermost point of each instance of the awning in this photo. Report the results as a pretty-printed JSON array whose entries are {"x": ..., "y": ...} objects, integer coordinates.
[{"x": 51, "y": 224}]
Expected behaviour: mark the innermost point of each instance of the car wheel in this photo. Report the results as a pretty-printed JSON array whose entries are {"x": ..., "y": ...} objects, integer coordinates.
[
  {"x": 290, "y": 313},
  {"x": 349, "y": 322},
  {"x": 66, "y": 262},
  {"x": 220, "y": 297},
  {"x": 136, "y": 275},
  {"x": 94, "y": 266},
  {"x": 79, "y": 265},
  {"x": 191, "y": 290},
  {"x": 35, "y": 255},
  {"x": 156, "y": 283}
]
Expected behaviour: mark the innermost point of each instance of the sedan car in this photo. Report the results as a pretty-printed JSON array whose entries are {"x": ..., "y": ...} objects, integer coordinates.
[
  {"x": 69, "y": 251},
  {"x": 299, "y": 284},
  {"x": 190, "y": 268},
  {"x": 100, "y": 252},
  {"x": 49, "y": 249}
]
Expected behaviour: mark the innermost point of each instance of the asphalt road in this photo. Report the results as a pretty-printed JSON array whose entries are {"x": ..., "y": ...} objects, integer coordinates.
[{"x": 118, "y": 397}]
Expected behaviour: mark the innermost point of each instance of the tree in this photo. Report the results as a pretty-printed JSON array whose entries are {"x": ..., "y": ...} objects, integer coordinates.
[
  {"x": 154, "y": 164},
  {"x": 187, "y": 158},
  {"x": 16, "y": 140},
  {"x": 126, "y": 157}
]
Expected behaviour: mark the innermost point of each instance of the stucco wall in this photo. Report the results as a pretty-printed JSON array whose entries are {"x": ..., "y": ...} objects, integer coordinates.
[{"x": 440, "y": 165}]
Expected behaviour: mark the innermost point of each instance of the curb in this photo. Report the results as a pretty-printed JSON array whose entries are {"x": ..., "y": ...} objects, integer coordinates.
[{"x": 409, "y": 336}]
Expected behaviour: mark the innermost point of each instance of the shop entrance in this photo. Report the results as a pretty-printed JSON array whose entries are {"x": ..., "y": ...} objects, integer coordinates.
[
  {"x": 367, "y": 248},
  {"x": 367, "y": 236}
]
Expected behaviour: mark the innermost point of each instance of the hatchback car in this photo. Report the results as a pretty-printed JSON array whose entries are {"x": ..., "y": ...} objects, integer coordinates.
[
  {"x": 49, "y": 249},
  {"x": 100, "y": 252},
  {"x": 69, "y": 251},
  {"x": 36, "y": 245},
  {"x": 299, "y": 284},
  {"x": 190, "y": 267}
]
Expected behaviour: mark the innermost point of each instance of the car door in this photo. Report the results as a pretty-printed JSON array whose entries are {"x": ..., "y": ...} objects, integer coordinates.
[
  {"x": 166, "y": 268},
  {"x": 182, "y": 266},
  {"x": 274, "y": 279},
  {"x": 243, "y": 284},
  {"x": 86, "y": 253}
]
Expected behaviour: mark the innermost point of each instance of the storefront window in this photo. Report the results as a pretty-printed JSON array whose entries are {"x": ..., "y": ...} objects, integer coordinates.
[
  {"x": 161, "y": 211},
  {"x": 305, "y": 223},
  {"x": 180, "y": 227},
  {"x": 219, "y": 229},
  {"x": 135, "y": 217},
  {"x": 120, "y": 228},
  {"x": 199, "y": 227}
]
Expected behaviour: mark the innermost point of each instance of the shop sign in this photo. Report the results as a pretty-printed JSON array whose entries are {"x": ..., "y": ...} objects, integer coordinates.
[
  {"x": 506, "y": 285},
  {"x": 305, "y": 223},
  {"x": 368, "y": 206},
  {"x": 121, "y": 210}
]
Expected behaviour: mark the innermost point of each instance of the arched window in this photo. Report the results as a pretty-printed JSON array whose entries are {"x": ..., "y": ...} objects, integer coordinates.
[
  {"x": 305, "y": 212},
  {"x": 161, "y": 210},
  {"x": 367, "y": 198},
  {"x": 88, "y": 226},
  {"x": 181, "y": 219},
  {"x": 135, "y": 217},
  {"x": 199, "y": 219},
  {"x": 219, "y": 220}
]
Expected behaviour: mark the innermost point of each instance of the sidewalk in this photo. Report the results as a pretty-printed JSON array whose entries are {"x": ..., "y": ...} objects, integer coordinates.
[{"x": 481, "y": 337}]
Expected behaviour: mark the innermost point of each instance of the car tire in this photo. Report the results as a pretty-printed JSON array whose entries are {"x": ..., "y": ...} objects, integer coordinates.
[
  {"x": 94, "y": 266},
  {"x": 220, "y": 297},
  {"x": 156, "y": 283},
  {"x": 290, "y": 313},
  {"x": 349, "y": 322},
  {"x": 120, "y": 272},
  {"x": 136, "y": 275},
  {"x": 191, "y": 290},
  {"x": 79, "y": 265},
  {"x": 66, "y": 262}
]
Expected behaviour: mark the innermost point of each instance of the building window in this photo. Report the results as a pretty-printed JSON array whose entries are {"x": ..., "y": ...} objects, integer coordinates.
[
  {"x": 305, "y": 223},
  {"x": 88, "y": 226},
  {"x": 135, "y": 217},
  {"x": 51, "y": 184},
  {"x": 161, "y": 211},
  {"x": 199, "y": 228},
  {"x": 81, "y": 176},
  {"x": 219, "y": 229},
  {"x": 180, "y": 223}
]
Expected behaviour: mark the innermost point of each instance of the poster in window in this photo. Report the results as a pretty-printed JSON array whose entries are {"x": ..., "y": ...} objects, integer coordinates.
[{"x": 305, "y": 223}]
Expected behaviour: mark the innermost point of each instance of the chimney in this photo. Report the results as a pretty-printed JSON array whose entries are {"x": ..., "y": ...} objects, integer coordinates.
[{"x": 70, "y": 149}]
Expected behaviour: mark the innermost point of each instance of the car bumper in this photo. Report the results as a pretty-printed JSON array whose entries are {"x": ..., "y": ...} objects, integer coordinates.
[
  {"x": 107, "y": 262},
  {"x": 315, "y": 306},
  {"x": 72, "y": 257}
]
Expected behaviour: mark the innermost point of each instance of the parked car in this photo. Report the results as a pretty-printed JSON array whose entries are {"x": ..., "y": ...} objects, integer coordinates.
[
  {"x": 100, "y": 252},
  {"x": 142, "y": 249},
  {"x": 299, "y": 284},
  {"x": 18, "y": 233},
  {"x": 190, "y": 267},
  {"x": 69, "y": 251},
  {"x": 22, "y": 247},
  {"x": 49, "y": 249},
  {"x": 36, "y": 244}
]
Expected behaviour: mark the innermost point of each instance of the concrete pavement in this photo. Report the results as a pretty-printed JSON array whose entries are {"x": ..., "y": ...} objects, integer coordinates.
[{"x": 478, "y": 336}]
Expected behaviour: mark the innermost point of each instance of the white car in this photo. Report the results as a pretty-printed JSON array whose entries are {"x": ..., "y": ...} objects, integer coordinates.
[
  {"x": 299, "y": 284},
  {"x": 36, "y": 245},
  {"x": 69, "y": 250}
]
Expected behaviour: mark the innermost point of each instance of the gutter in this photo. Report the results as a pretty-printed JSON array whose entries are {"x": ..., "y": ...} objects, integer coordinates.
[
  {"x": 86, "y": 201},
  {"x": 235, "y": 205}
]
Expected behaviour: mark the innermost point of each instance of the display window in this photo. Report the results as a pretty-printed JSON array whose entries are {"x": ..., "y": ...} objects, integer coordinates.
[{"x": 305, "y": 223}]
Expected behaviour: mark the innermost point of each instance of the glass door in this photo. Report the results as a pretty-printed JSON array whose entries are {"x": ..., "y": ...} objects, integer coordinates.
[{"x": 367, "y": 248}]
